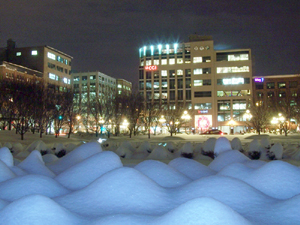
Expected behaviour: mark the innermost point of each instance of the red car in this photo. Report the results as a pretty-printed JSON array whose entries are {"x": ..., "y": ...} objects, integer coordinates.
[{"x": 213, "y": 132}]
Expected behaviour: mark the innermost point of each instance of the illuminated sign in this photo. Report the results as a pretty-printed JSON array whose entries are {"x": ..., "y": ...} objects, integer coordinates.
[
  {"x": 150, "y": 67},
  {"x": 259, "y": 80},
  {"x": 202, "y": 111},
  {"x": 203, "y": 122}
]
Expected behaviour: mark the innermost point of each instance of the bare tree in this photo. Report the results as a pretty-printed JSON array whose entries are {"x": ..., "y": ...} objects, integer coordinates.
[{"x": 260, "y": 116}]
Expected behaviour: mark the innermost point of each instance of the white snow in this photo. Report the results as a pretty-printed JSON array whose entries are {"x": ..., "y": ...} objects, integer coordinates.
[{"x": 91, "y": 186}]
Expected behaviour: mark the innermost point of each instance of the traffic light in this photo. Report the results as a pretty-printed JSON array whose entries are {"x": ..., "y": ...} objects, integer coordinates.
[{"x": 60, "y": 117}]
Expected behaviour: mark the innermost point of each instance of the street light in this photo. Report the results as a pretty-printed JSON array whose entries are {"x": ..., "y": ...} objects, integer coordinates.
[
  {"x": 186, "y": 117},
  {"x": 231, "y": 124}
]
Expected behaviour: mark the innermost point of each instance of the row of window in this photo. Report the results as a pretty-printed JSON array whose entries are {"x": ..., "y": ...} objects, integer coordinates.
[
  {"x": 58, "y": 58},
  {"x": 58, "y": 68},
  {"x": 53, "y": 76},
  {"x": 93, "y": 77},
  {"x": 270, "y": 94},
  {"x": 197, "y": 71},
  {"x": 271, "y": 85},
  {"x": 173, "y": 61}
]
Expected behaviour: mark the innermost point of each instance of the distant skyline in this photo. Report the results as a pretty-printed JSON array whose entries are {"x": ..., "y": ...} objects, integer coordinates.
[{"x": 106, "y": 35}]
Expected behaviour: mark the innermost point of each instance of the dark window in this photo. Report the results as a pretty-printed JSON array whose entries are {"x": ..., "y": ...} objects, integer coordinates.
[
  {"x": 207, "y": 82},
  {"x": 179, "y": 83},
  {"x": 246, "y": 80},
  {"x": 172, "y": 95},
  {"x": 188, "y": 95},
  {"x": 270, "y": 85},
  {"x": 260, "y": 94},
  {"x": 187, "y": 82},
  {"x": 180, "y": 94},
  {"x": 148, "y": 75},
  {"x": 172, "y": 84},
  {"x": 187, "y": 72},
  {"x": 270, "y": 94},
  {"x": 201, "y": 94},
  {"x": 293, "y": 84},
  {"x": 141, "y": 85},
  {"x": 141, "y": 74},
  {"x": 259, "y": 85},
  {"x": 206, "y": 70},
  {"x": 84, "y": 78}
]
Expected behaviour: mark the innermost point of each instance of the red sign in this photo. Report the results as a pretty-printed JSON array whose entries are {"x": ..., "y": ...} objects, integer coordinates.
[{"x": 150, "y": 67}]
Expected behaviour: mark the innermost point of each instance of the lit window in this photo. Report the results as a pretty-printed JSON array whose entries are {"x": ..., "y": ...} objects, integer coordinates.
[
  {"x": 179, "y": 61},
  {"x": 148, "y": 62},
  {"x": 164, "y": 73},
  {"x": 51, "y": 55},
  {"x": 164, "y": 62},
  {"x": 197, "y": 60},
  {"x": 119, "y": 86},
  {"x": 233, "y": 69},
  {"x": 179, "y": 72},
  {"x": 65, "y": 80},
  {"x": 230, "y": 81},
  {"x": 53, "y": 76},
  {"x": 197, "y": 71},
  {"x": 34, "y": 52},
  {"x": 155, "y": 62},
  {"x": 119, "y": 92},
  {"x": 171, "y": 61},
  {"x": 18, "y": 53},
  {"x": 198, "y": 83},
  {"x": 238, "y": 57}
]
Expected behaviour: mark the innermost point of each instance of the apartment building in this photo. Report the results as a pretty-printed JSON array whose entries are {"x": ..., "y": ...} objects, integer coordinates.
[
  {"x": 214, "y": 85},
  {"x": 124, "y": 87}
]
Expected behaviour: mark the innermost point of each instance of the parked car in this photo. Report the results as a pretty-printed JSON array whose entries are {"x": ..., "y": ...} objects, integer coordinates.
[{"x": 213, "y": 132}]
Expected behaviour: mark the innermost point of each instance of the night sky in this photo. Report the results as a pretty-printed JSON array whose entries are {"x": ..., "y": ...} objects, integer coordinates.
[{"x": 106, "y": 35}]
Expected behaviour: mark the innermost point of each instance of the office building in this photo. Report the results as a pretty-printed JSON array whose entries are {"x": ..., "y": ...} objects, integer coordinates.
[
  {"x": 214, "y": 85},
  {"x": 54, "y": 64},
  {"x": 124, "y": 87}
]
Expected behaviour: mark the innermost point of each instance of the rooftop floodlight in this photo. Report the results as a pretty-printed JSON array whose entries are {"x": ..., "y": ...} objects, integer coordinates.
[
  {"x": 159, "y": 49},
  {"x": 140, "y": 52},
  {"x": 175, "y": 48},
  {"x": 152, "y": 49},
  {"x": 145, "y": 48},
  {"x": 168, "y": 48}
]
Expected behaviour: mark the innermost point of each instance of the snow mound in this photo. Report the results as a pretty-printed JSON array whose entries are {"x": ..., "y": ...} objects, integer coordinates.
[
  {"x": 5, "y": 172},
  {"x": 202, "y": 211},
  {"x": 37, "y": 145},
  {"x": 222, "y": 145},
  {"x": 158, "y": 153},
  {"x": 265, "y": 142},
  {"x": 124, "y": 152},
  {"x": 276, "y": 151},
  {"x": 2, "y": 205},
  {"x": 170, "y": 146},
  {"x": 77, "y": 155},
  {"x": 49, "y": 158},
  {"x": 145, "y": 147},
  {"x": 30, "y": 184},
  {"x": 123, "y": 190},
  {"x": 227, "y": 158},
  {"x": 278, "y": 179},
  {"x": 236, "y": 144},
  {"x": 34, "y": 164},
  {"x": 238, "y": 195},
  {"x": 191, "y": 168},
  {"x": 236, "y": 170},
  {"x": 162, "y": 174},
  {"x": 209, "y": 145},
  {"x": 6, "y": 156},
  {"x": 85, "y": 172},
  {"x": 37, "y": 209},
  {"x": 187, "y": 150}
]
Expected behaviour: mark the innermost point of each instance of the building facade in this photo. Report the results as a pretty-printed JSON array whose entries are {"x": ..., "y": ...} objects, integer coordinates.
[
  {"x": 18, "y": 73},
  {"x": 54, "y": 64},
  {"x": 215, "y": 86},
  {"x": 124, "y": 87}
]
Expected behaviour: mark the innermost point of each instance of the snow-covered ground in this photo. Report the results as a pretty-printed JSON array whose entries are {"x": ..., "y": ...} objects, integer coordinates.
[{"x": 164, "y": 180}]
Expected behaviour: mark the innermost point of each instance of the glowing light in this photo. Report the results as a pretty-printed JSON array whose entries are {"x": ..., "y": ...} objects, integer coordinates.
[
  {"x": 168, "y": 48},
  {"x": 159, "y": 49},
  {"x": 145, "y": 48},
  {"x": 152, "y": 49},
  {"x": 175, "y": 48},
  {"x": 100, "y": 140},
  {"x": 259, "y": 80},
  {"x": 150, "y": 68},
  {"x": 140, "y": 52}
]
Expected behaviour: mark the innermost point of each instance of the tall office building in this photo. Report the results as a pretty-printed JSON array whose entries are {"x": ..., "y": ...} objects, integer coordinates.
[
  {"x": 215, "y": 85},
  {"x": 54, "y": 64}
]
